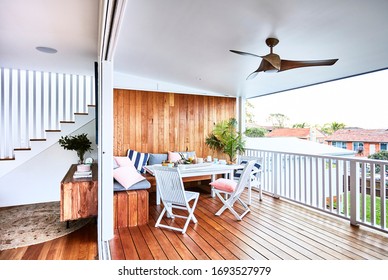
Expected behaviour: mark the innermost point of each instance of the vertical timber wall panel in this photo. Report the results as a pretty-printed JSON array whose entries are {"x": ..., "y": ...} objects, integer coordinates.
[{"x": 157, "y": 122}]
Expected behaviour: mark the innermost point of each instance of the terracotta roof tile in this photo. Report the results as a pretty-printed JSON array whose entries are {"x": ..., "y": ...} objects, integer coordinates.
[
  {"x": 359, "y": 135},
  {"x": 292, "y": 132}
]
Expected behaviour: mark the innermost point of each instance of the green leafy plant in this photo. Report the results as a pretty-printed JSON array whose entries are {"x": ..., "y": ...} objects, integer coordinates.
[
  {"x": 226, "y": 139},
  {"x": 79, "y": 143},
  {"x": 381, "y": 155},
  {"x": 255, "y": 132}
]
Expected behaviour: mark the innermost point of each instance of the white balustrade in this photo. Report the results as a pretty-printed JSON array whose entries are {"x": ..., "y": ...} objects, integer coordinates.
[
  {"x": 32, "y": 102},
  {"x": 347, "y": 187}
]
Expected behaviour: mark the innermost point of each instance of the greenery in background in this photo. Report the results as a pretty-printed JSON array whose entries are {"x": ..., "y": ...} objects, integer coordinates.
[
  {"x": 226, "y": 139},
  {"x": 330, "y": 128},
  {"x": 382, "y": 155},
  {"x": 301, "y": 125},
  {"x": 255, "y": 132},
  {"x": 249, "y": 113},
  {"x": 368, "y": 208},
  {"x": 79, "y": 143},
  {"x": 278, "y": 120}
]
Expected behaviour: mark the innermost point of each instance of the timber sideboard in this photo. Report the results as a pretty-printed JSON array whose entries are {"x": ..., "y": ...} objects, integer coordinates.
[{"x": 79, "y": 196}]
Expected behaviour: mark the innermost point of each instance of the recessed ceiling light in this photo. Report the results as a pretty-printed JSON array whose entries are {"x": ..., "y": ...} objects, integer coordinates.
[{"x": 46, "y": 49}]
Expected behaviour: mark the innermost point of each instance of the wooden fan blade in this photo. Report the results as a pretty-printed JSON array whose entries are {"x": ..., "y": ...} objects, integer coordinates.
[
  {"x": 252, "y": 75},
  {"x": 264, "y": 66},
  {"x": 291, "y": 64},
  {"x": 245, "y": 53}
]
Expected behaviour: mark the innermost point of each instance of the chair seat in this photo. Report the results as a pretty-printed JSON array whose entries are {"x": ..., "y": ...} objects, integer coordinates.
[
  {"x": 191, "y": 195},
  {"x": 234, "y": 195}
]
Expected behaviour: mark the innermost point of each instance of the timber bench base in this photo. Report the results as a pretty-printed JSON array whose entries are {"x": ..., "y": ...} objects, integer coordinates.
[{"x": 130, "y": 208}]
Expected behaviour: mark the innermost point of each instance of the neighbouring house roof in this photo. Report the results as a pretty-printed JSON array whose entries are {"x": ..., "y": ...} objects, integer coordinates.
[
  {"x": 359, "y": 135},
  {"x": 294, "y": 132},
  {"x": 295, "y": 145}
]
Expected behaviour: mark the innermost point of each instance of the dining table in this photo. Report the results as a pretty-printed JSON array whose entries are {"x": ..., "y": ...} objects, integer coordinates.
[{"x": 200, "y": 169}]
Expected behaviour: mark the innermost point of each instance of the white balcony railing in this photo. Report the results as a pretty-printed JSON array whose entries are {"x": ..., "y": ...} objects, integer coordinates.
[{"x": 348, "y": 187}]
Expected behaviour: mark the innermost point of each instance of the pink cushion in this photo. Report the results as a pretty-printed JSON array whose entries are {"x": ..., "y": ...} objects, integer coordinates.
[
  {"x": 127, "y": 176},
  {"x": 173, "y": 156},
  {"x": 123, "y": 161},
  {"x": 224, "y": 184}
]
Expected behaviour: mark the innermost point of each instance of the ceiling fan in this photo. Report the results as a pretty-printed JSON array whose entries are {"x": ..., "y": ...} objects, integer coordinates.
[{"x": 272, "y": 62}]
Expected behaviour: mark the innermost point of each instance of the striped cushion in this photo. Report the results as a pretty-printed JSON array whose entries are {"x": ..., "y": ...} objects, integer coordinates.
[
  {"x": 237, "y": 173},
  {"x": 138, "y": 159}
]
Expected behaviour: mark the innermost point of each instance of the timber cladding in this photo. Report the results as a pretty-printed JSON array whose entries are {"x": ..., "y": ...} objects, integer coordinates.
[{"x": 157, "y": 122}]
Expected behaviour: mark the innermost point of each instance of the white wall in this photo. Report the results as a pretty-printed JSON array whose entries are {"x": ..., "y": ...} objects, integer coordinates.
[{"x": 38, "y": 180}]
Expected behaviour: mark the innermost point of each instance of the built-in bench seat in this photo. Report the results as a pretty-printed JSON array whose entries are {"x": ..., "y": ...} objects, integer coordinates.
[{"x": 131, "y": 206}]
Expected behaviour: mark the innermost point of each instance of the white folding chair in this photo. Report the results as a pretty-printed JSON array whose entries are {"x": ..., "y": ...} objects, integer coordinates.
[
  {"x": 228, "y": 198},
  {"x": 255, "y": 179},
  {"x": 173, "y": 195}
]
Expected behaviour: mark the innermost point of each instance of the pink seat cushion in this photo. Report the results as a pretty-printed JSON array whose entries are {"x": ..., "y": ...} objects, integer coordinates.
[
  {"x": 223, "y": 184},
  {"x": 127, "y": 176}
]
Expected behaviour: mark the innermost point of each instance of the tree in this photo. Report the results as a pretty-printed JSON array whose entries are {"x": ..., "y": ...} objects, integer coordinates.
[
  {"x": 330, "y": 128},
  {"x": 255, "y": 132},
  {"x": 277, "y": 120},
  {"x": 382, "y": 155},
  {"x": 249, "y": 112},
  {"x": 225, "y": 138},
  {"x": 301, "y": 125}
]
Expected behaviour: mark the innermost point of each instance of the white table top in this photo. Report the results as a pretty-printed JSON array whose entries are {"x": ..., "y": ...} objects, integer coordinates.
[{"x": 188, "y": 170}]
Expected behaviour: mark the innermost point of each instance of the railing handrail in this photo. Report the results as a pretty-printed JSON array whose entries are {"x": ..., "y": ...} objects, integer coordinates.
[{"x": 350, "y": 158}]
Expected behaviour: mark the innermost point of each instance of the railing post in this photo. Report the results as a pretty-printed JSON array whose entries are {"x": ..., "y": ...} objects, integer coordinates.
[
  {"x": 354, "y": 192},
  {"x": 275, "y": 173}
]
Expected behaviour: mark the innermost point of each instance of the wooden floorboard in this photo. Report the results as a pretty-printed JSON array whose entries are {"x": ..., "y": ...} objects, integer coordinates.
[{"x": 275, "y": 229}]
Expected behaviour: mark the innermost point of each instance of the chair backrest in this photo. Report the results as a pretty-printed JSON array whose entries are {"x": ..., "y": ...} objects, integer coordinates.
[
  {"x": 170, "y": 186},
  {"x": 257, "y": 166},
  {"x": 244, "y": 179}
]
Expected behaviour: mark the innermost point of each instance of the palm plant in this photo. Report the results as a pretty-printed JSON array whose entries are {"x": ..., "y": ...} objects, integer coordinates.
[{"x": 226, "y": 139}]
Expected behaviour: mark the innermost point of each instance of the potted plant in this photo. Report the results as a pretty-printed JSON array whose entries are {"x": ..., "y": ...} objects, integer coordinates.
[
  {"x": 226, "y": 139},
  {"x": 79, "y": 143}
]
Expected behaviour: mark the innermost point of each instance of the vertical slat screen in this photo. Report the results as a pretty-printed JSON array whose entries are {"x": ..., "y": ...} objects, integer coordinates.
[{"x": 32, "y": 102}]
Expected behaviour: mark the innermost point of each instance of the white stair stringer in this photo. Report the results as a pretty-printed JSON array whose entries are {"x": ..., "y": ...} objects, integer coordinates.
[{"x": 52, "y": 137}]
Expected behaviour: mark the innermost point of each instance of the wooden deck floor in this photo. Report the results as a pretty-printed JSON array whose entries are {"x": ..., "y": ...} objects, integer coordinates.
[{"x": 274, "y": 229}]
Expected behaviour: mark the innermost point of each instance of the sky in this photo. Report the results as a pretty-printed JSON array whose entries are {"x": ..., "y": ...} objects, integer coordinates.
[{"x": 360, "y": 101}]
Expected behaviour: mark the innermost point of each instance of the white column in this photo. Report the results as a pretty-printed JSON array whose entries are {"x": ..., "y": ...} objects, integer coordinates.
[{"x": 105, "y": 151}]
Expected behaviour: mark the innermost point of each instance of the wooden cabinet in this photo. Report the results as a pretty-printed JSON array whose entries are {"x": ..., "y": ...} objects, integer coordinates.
[{"x": 79, "y": 197}]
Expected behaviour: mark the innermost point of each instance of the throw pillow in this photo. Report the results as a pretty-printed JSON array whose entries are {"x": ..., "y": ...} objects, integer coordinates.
[
  {"x": 238, "y": 172},
  {"x": 127, "y": 176},
  {"x": 224, "y": 184},
  {"x": 157, "y": 158},
  {"x": 123, "y": 161},
  {"x": 173, "y": 156},
  {"x": 138, "y": 159}
]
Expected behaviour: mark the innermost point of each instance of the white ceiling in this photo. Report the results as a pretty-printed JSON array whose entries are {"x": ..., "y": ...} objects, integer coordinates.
[
  {"x": 70, "y": 26},
  {"x": 187, "y": 42}
]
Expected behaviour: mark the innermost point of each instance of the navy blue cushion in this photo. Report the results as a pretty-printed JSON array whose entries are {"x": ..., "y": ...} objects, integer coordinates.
[
  {"x": 237, "y": 173},
  {"x": 138, "y": 159}
]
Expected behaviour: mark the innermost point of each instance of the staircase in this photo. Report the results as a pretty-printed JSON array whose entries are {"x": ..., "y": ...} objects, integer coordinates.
[{"x": 37, "y": 108}]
